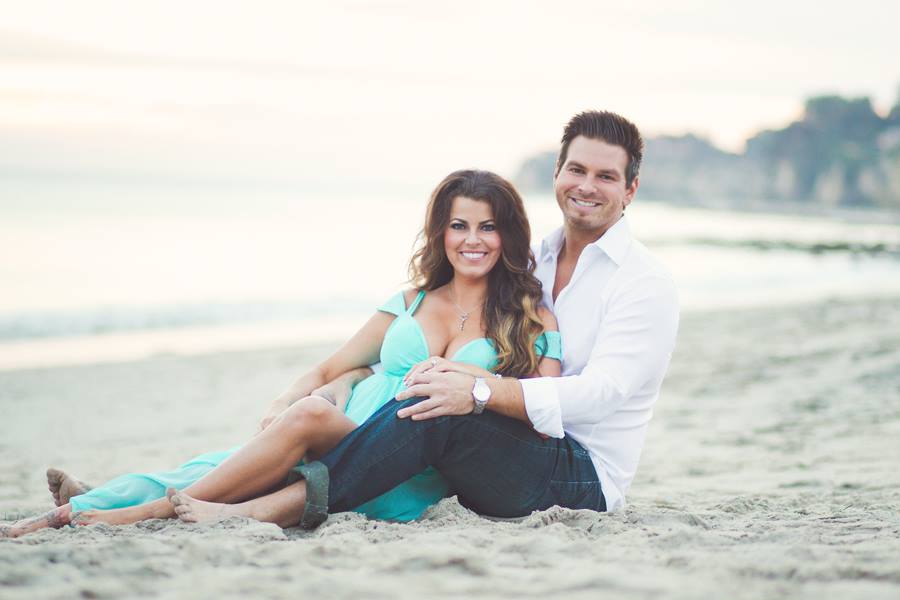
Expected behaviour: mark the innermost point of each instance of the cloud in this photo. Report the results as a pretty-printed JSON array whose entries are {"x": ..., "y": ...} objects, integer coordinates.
[{"x": 34, "y": 50}]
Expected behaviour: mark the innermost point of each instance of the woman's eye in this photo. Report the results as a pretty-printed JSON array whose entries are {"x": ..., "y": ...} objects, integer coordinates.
[
  {"x": 457, "y": 226},
  {"x": 489, "y": 227}
]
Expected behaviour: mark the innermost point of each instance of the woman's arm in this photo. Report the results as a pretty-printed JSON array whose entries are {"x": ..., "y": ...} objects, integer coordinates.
[
  {"x": 548, "y": 367},
  {"x": 360, "y": 351},
  {"x": 338, "y": 391}
]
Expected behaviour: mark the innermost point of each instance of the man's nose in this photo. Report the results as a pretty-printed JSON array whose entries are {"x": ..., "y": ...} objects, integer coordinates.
[{"x": 587, "y": 186}]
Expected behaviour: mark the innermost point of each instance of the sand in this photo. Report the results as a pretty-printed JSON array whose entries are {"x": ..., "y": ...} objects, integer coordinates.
[{"x": 771, "y": 471}]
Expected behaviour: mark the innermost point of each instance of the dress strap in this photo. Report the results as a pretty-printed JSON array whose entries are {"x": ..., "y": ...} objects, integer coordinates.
[{"x": 415, "y": 303}]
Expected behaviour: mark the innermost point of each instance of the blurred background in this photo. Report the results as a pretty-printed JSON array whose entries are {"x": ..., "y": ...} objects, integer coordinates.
[{"x": 185, "y": 177}]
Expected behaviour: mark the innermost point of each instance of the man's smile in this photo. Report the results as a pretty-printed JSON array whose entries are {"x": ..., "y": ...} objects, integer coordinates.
[{"x": 583, "y": 203}]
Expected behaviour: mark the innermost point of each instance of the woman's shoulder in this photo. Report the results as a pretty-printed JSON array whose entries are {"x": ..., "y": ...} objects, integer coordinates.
[
  {"x": 400, "y": 302},
  {"x": 409, "y": 295}
]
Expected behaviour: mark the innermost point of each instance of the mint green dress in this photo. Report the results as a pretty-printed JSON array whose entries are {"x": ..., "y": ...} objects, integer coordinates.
[{"x": 403, "y": 347}]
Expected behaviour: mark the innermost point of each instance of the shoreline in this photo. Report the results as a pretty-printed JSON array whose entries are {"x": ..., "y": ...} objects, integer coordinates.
[{"x": 134, "y": 346}]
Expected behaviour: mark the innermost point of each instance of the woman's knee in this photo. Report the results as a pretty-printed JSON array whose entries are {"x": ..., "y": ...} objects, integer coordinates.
[{"x": 307, "y": 412}]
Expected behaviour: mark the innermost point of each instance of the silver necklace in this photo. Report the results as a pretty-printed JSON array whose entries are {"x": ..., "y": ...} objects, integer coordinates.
[{"x": 463, "y": 314}]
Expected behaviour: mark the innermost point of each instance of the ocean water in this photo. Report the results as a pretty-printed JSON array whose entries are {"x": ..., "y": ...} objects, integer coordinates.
[{"x": 113, "y": 271}]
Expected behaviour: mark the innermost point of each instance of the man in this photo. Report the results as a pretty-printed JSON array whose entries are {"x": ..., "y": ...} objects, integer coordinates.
[{"x": 509, "y": 447}]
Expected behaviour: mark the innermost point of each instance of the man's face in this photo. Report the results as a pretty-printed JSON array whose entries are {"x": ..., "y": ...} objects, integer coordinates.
[{"x": 590, "y": 186}]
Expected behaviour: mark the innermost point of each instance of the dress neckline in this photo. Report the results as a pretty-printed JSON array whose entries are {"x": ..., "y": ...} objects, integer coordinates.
[{"x": 411, "y": 311}]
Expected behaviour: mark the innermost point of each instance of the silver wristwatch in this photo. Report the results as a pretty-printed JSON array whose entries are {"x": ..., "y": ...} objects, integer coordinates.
[{"x": 481, "y": 393}]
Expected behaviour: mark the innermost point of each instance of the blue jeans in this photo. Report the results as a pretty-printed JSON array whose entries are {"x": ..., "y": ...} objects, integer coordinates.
[{"x": 498, "y": 466}]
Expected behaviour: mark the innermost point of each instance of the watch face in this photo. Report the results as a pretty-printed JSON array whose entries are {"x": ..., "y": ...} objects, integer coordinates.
[{"x": 481, "y": 391}]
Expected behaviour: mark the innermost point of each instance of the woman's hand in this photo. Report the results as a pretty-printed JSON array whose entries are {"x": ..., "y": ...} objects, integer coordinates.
[
  {"x": 268, "y": 418},
  {"x": 337, "y": 392},
  {"x": 435, "y": 364},
  {"x": 278, "y": 406}
]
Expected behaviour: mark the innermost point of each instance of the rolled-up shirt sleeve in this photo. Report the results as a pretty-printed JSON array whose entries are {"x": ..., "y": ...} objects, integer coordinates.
[
  {"x": 542, "y": 405},
  {"x": 633, "y": 347}
]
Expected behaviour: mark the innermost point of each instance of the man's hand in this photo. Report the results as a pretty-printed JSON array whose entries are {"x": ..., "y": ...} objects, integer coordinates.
[
  {"x": 447, "y": 393},
  {"x": 438, "y": 364}
]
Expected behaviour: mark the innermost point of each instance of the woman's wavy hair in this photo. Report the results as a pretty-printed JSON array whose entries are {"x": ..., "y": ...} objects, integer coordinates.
[{"x": 510, "y": 308}]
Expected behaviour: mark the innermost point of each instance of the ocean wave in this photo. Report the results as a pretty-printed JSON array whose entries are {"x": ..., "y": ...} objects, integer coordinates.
[
  {"x": 103, "y": 320},
  {"x": 872, "y": 249}
]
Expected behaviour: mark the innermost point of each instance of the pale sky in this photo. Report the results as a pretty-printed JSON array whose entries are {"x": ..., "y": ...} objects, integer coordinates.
[{"x": 352, "y": 93}]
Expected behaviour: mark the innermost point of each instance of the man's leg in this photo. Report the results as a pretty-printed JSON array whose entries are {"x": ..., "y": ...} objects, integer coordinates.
[{"x": 497, "y": 465}]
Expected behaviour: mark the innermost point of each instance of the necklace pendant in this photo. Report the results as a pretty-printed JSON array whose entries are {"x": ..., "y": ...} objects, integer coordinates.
[{"x": 462, "y": 321}]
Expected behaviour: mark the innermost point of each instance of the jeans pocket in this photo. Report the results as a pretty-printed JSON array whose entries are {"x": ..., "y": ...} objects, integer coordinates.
[{"x": 573, "y": 494}]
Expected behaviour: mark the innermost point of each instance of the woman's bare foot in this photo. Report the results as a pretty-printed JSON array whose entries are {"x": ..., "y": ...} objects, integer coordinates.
[
  {"x": 191, "y": 510},
  {"x": 158, "y": 509},
  {"x": 63, "y": 486},
  {"x": 56, "y": 518}
]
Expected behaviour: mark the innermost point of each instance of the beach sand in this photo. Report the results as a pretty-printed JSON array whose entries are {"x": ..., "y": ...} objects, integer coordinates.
[{"x": 770, "y": 471}]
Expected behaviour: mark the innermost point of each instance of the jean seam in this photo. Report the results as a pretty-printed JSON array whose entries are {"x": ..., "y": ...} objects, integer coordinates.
[
  {"x": 506, "y": 434},
  {"x": 359, "y": 471}
]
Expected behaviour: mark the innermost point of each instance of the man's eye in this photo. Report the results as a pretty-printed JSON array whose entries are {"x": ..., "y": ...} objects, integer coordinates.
[{"x": 575, "y": 170}]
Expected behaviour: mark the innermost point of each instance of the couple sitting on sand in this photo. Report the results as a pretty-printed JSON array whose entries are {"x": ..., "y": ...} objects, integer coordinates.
[{"x": 517, "y": 380}]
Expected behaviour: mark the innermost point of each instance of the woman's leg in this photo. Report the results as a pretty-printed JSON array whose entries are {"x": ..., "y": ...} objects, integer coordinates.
[
  {"x": 312, "y": 426},
  {"x": 56, "y": 518},
  {"x": 284, "y": 507}
]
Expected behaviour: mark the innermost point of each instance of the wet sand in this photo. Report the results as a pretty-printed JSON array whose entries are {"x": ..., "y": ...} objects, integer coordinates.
[{"x": 771, "y": 471}]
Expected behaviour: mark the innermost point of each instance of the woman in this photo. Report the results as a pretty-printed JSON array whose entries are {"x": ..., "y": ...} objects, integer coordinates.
[{"x": 475, "y": 308}]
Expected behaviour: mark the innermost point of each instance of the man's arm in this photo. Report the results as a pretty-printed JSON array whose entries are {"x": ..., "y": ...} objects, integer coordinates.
[
  {"x": 506, "y": 394},
  {"x": 633, "y": 345},
  {"x": 450, "y": 393}
]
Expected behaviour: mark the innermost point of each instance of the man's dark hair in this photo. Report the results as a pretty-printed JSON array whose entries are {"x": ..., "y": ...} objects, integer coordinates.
[{"x": 607, "y": 127}]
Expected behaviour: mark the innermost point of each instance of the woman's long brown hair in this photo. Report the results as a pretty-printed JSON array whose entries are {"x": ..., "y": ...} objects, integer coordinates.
[{"x": 509, "y": 314}]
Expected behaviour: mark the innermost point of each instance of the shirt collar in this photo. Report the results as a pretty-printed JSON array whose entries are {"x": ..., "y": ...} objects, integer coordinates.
[
  {"x": 614, "y": 243},
  {"x": 551, "y": 245}
]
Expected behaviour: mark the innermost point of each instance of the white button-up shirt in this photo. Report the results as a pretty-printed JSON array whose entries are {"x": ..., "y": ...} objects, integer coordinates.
[{"x": 618, "y": 317}]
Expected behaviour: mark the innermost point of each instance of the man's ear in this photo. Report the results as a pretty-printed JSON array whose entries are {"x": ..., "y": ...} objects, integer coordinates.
[{"x": 631, "y": 190}]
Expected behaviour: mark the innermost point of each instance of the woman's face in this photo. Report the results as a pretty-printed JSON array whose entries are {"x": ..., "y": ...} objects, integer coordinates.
[{"x": 471, "y": 241}]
